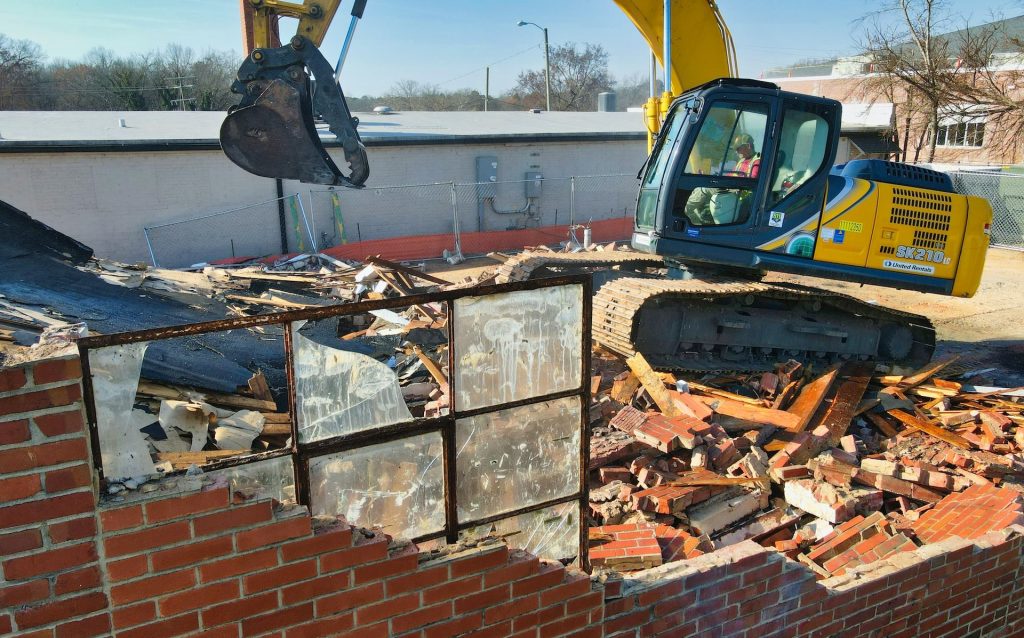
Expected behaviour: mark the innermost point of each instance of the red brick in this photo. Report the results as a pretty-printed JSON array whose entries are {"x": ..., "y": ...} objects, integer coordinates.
[
  {"x": 56, "y": 370},
  {"x": 365, "y": 553},
  {"x": 233, "y": 518},
  {"x": 49, "y": 561},
  {"x": 418, "y": 580},
  {"x": 147, "y": 538},
  {"x": 14, "y": 432},
  {"x": 115, "y": 520},
  {"x": 480, "y": 562},
  {"x": 351, "y": 599},
  {"x": 79, "y": 580},
  {"x": 53, "y": 611},
  {"x": 548, "y": 577},
  {"x": 510, "y": 609},
  {"x": 34, "y": 456},
  {"x": 482, "y": 600},
  {"x": 177, "y": 626},
  {"x": 24, "y": 593},
  {"x": 235, "y": 565},
  {"x": 197, "y": 597},
  {"x": 132, "y": 615},
  {"x": 191, "y": 553},
  {"x": 519, "y": 567},
  {"x": 12, "y": 379},
  {"x": 565, "y": 591},
  {"x": 128, "y": 567},
  {"x": 98, "y": 625},
  {"x": 273, "y": 578},
  {"x": 564, "y": 625},
  {"x": 235, "y": 610},
  {"x": 61, "y": 423},
  {"x": 277, "y": 620},
  {"x": 19, "y": 487},
  {"x": 40, "y": 399},
  {"x": 73, "y": 530},
  {"x": 421, "y": 617},
  {"x": 449, "y": 590},
  {"x": 273, "y": 533},
  {"x": 68, "y": 478},
  {"x": 187, "y": 505},
  {"x": 153, "y": 586},
  {"x": 322, "y": 628},
  {"x": 387, "y": 609},
  {"x": 315, "y": 587},
  {"x": 454, "y": 627},
  {"x": 17, "y": 542},
  {"x": 391, "y": 567}
]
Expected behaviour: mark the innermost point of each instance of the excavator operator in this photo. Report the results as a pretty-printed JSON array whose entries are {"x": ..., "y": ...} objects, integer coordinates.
[{"x": 749, "y": 164}]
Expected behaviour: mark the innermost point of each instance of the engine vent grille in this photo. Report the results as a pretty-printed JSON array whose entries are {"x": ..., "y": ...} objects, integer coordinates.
[
  {"x": 887, "y": 250},
  {"x": 922, "y": 209},
  {"x": 933, "y": 241}
]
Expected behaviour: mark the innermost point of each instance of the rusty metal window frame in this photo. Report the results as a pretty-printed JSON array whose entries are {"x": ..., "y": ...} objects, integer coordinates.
[{"x": 445, "y": 425}]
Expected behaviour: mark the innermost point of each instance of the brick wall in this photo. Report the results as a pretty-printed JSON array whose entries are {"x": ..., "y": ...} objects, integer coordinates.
[{"x": 185, "y": 560}]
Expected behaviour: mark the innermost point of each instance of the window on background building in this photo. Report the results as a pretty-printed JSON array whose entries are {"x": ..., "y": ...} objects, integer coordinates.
[{"x": 961, "y": 134}]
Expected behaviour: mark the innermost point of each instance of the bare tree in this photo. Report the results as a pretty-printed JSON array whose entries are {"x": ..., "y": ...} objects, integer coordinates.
[
  {"x": 911, "y": 62},
  {"x": 20, "y": 64},
  {"x": 578, "y": 74}
]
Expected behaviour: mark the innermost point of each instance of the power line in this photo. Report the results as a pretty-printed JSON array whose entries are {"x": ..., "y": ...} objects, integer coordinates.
[{"x": 481, "y": 68}]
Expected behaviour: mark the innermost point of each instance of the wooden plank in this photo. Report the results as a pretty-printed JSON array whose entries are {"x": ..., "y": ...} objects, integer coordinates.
[
  {"x": 279, "y": 303},
  {"x": 431, "y": 366},
  {"x": 175, "y": 393},
  {"x": 182, "y": 460},
  {"x": 276, "y": 429},
  {"x": 856, "y": 377},
  {"x": 260, "y": 388},
  {"x": 705, "y": 389},
  {"x": 623, "y": 390},
  {"x": 722, "y": 480},
  {"x": 930, "y": 429},
  {"x": 931, "y": 370},
  {"x": 377, "y": 260},
  {"x": 879, "y": 422},
  {"x": 654, "y": 385},
  {"x": 782, "y": 399},
  {"x": 810, "y": 398},
  {"x": 752, "y": 413}
]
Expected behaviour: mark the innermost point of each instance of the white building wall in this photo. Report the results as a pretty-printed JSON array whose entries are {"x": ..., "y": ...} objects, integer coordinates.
[{"x": 105, "y": 200}]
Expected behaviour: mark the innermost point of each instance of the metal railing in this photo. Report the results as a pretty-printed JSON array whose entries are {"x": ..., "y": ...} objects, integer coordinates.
[{"x": 1005, "y": 192}]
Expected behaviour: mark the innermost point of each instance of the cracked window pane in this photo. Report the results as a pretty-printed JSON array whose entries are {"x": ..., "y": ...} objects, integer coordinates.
[
  {"x": 551, "y": 532},
  {"x": 397, "y": 486},
  {"x": 338, "y": 391},
  {"x": 270, "y": 478},
  {"x": 518, "y": 457},
  {"x": 517, "y": 345},
  {"x": 115, "y": 372}
]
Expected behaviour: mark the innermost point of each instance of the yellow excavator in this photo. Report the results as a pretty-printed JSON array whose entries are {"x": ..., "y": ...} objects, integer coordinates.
[{"x": 739, "y": 182}]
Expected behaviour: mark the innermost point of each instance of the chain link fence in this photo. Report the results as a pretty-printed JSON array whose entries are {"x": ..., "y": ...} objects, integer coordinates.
[
  {"x": 326, "y": 217},
  {"x": 1005, "y": 192},
  {"x": 253, "y": 230}
]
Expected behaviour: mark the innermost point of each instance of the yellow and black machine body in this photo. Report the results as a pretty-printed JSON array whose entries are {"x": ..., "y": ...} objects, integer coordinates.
[
  {"x": 869, "y": 221},
  {"x": 741, "y": 182}
]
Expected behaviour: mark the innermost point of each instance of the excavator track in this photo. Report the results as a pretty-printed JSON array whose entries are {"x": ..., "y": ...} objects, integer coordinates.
[{"x": 720, "y": 323}]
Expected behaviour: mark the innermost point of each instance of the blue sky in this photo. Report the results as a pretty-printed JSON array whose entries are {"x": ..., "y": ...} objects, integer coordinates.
[{"x": 450, "y": 42}]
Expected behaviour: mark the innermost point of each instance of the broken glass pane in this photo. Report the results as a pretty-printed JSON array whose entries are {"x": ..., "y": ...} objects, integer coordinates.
[
  {"x": 271, "y": 478},
  {"x": 518, "y": 457},
  {"x": 551, "y": 532},
  {"x": 115, "y": 372},
  {"x": 340, "y": 391},
  {"x": 397, "y": 486},
  {"x": 517, "y": 345}
]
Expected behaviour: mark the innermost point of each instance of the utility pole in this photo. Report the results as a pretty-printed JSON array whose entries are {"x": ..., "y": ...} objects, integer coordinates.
[
  {"x": 547, "y": 68},
  {"x": 182, "y": 100},
  {"x": 487, "y": 87}
]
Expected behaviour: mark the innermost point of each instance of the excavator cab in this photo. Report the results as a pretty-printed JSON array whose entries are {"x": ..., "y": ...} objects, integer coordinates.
[
  {"x": 273, "y": 131},
  {"x": 736, "y": 163}
]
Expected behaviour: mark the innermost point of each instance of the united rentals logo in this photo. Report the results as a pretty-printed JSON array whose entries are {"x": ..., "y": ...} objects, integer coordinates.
[{"x": 918, "y": 269}]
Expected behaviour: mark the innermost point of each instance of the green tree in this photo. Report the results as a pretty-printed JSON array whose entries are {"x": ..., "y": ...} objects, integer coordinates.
[{"x": 578, "y": 74}]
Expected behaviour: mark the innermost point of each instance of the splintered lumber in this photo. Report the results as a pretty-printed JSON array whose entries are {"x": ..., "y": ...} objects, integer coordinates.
[
  {"x": 809, "y": 400},
  {"x": 706, "y": 389},
  {"x": 148, "y": 389},
  {"x": 654, "y": 385},
  {"x": 782, "y": 398},
  {"x": 259, "y": 387},
  {"x": 276, "y": 429},
  {"x": 752, "y": 413},
  {"x": 931, "y": 429},
  {"x": 687, "y": 481},
  {"x": 431, "y": 366},
  {"x": 182, "y": 460},
  {"x": 623, "y": 389},
  {"x": 923, "y": 374},
  {"x": 377, "y": 260},
  {"x": 879, "y": 422},
  {"x": 269, "y": 301},
  {"x": 838, "y": 416}
]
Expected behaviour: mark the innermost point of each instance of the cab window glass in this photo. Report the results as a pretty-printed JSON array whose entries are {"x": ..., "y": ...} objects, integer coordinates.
[
  {"x": 802, "y": 148},
  {"x": 728, "y": 144},
  {"x": 663, "y": 149}
]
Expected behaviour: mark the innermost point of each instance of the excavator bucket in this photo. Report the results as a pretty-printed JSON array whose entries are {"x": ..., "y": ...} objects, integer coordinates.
[{"x": 272, "y": 132}]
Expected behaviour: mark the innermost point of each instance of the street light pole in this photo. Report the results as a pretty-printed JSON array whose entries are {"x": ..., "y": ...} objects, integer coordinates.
[{"x": 547, "y": 60}]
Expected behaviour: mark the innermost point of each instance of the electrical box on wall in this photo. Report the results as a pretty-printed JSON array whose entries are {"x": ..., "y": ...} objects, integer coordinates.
[
  {"x": 486, "y": 174},
  {"x": 534, "y": 182}
]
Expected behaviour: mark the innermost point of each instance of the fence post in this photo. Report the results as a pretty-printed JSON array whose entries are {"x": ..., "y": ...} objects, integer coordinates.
[
  {"x": 282, "y": 216},
  {"x": 572, "y": 200},
  {"x": 456, "y": 229}
]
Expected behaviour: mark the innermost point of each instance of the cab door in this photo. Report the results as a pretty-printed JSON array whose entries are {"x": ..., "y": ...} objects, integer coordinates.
[{"x": 720, "y": 172}]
